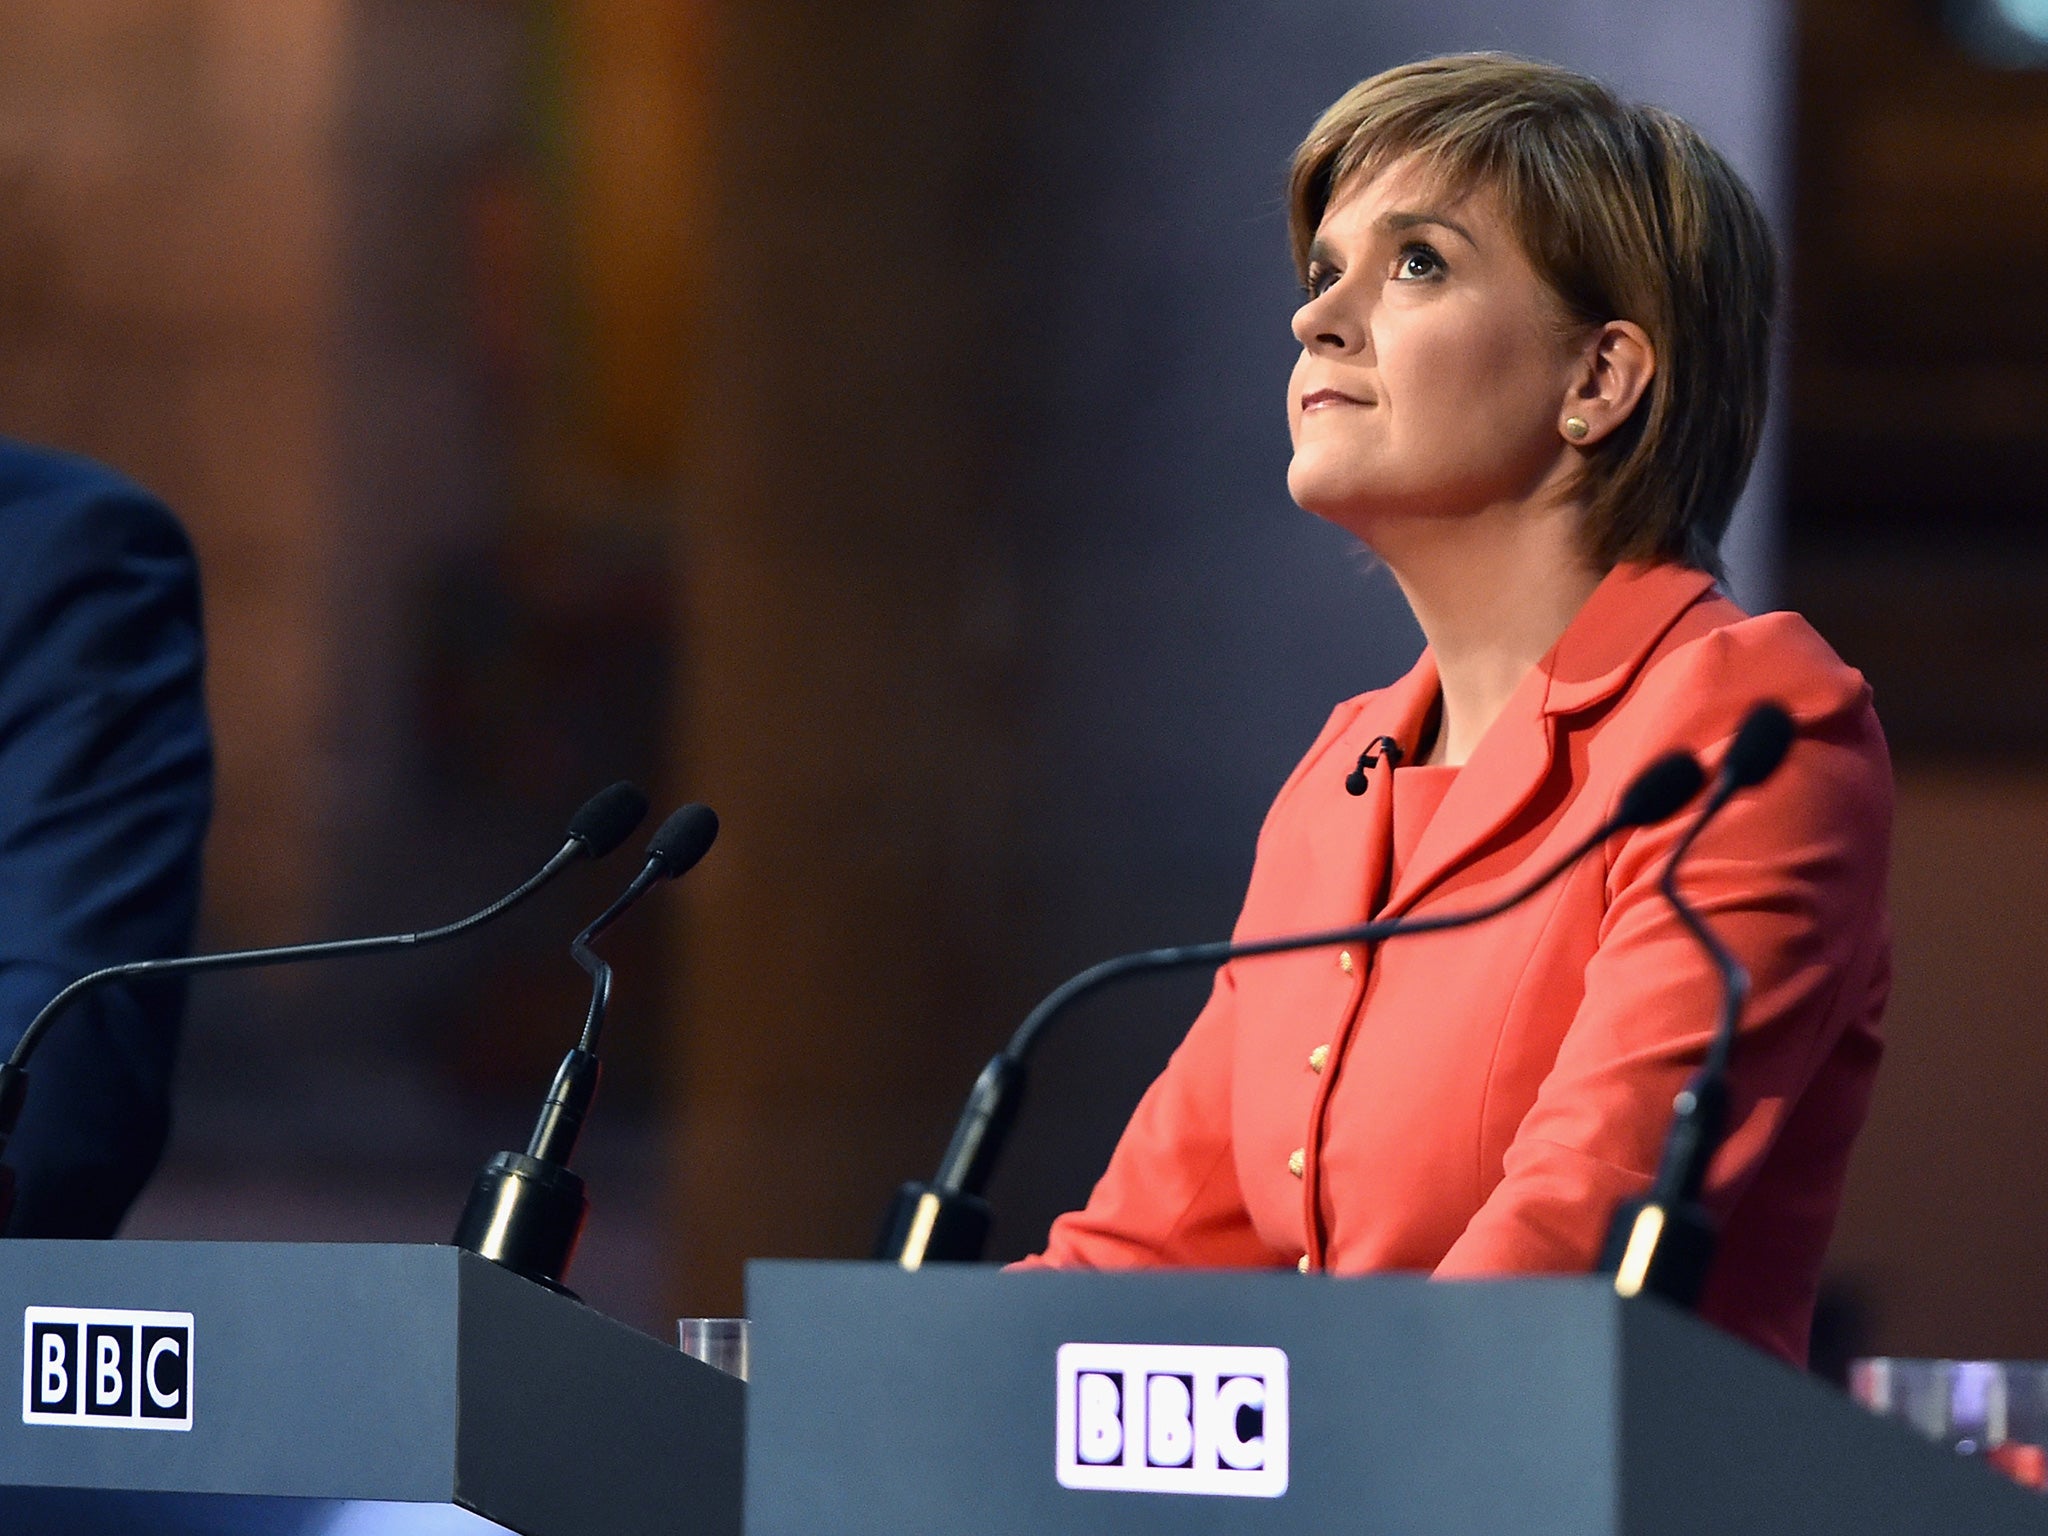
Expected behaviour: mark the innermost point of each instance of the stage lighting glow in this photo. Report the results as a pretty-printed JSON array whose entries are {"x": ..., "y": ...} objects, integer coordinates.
[
  {"x": 2006, "y": 34},
  {"x": 2028, "y": 16}
]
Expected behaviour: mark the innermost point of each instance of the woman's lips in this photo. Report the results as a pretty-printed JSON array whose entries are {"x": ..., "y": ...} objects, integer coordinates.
[{"x": 1317, "y": 399}]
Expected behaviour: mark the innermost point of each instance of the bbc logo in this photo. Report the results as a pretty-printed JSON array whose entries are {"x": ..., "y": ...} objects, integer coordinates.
[
  {"x": 1173, "y": 1418},
  {"x": 106, "y": 1370}
]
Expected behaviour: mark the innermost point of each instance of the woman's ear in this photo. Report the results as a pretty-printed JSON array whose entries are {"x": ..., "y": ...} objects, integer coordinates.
[{"x": 1615, "y": 369}]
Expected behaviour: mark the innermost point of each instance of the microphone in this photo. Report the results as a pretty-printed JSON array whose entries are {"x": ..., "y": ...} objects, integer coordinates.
[
  {"x": 525, "y": 1210},
  {"x": 603, "y": 822},
  {"x": 674, "y": 850},
  {"x": 1354, "y": 781},
  {"x": 947, "y": 1219},
  {"x": 1663, "y": 1243}
]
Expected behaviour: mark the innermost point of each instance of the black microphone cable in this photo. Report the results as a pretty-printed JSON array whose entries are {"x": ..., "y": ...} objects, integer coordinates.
[
  {"x": 599, "y": 826},
  {"x": 947, "y": 1218},
  {"x": 1663, "y": 1243}
]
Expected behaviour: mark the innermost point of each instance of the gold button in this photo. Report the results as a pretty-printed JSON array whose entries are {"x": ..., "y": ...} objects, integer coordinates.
[
  {"x": 1302, "y": 1264},
  {"x": 1297, "y": 1160},
  {"x": 1319, "y": 1058},
  {"x": 1344, "y": 961}
]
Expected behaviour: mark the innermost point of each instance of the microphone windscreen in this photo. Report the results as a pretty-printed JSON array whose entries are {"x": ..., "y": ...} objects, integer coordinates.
[
  {"x": 1660, "y": 789},
  {"x": 608, "y": 818},
  {"x": 1760, "y": 744},
  {"x": 684, "y": 839}
]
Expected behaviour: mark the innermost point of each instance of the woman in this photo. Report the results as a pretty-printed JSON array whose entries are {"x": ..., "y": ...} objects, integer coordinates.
[{"x": 1532, "y": 379}]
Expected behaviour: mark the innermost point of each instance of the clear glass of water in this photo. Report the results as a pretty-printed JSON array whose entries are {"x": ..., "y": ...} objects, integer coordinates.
[
  {"x": 1991, "y": 1410},
  {"x": 717, "y": 1341}
]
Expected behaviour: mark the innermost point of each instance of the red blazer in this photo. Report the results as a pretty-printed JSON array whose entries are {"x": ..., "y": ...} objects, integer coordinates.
[{"x": 1476, "y": 1102}]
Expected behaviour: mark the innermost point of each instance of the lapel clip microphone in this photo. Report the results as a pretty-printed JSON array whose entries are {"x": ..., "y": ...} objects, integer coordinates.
[{"x": 1354, "y": 782}]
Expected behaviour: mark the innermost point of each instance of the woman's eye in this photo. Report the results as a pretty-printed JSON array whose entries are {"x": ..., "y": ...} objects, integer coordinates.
[
  {"x": 1417, "y": 263},
  {"x": 1319, "y": 281}
]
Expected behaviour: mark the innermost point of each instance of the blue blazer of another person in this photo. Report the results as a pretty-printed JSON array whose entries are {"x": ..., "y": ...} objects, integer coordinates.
[{"x": 106, "y": 783}]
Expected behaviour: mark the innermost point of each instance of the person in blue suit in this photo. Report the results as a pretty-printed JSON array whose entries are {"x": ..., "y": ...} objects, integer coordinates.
[{"x": 106, "y": 784}]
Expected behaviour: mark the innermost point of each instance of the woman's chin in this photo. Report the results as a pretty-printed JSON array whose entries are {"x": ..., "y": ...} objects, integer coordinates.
[
  {"x": 1311, "y": 486},
  {"x": 1335, "y": 500}
]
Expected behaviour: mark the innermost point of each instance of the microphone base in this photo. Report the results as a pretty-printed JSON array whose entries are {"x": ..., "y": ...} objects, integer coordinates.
[
  {"x": 927, "y": 1225},
  {"x": 525, "y": 1215},
  {"x": 1662, "y": 1250}
]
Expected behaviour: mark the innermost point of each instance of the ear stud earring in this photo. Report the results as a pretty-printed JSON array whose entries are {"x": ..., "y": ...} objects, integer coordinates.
[{"x": 1576, "y": 429}]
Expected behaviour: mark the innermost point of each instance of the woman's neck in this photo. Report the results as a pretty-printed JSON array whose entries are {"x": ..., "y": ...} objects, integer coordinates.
[{"x": 1492, "y": 592}]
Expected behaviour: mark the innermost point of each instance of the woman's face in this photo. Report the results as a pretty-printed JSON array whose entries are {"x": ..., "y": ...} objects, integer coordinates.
[{"x": 1435, "y": 370}]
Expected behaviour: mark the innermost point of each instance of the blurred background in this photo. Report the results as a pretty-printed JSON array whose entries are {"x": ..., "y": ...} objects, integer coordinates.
[{"x": 868, "y": 419}]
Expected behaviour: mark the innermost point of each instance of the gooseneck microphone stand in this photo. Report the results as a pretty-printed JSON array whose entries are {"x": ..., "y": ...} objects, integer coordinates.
[
  {"x": 526, "y": 1210},
  {"x": 1663, "y": 1243},
  {"x": 599, "y": 826}
]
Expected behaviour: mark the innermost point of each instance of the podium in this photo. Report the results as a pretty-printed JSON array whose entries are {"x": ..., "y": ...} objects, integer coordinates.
[
  {"x": 345, "y": 1390},
  {"x": 965, "y": 1399}
]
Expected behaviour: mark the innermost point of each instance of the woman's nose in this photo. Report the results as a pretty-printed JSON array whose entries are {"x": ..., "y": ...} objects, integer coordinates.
[{"x": 1322, "y": 324}]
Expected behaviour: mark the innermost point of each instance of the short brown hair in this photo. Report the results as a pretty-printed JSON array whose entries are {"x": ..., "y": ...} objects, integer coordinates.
[{"x": 1627, "y": 214}]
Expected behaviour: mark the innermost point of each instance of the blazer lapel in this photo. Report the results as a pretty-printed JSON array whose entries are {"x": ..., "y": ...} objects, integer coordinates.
[
  {"x": 1602, "y": 648},
  {"x": 1400, "y": 712},
  {"x": 1500, "y": 778}
]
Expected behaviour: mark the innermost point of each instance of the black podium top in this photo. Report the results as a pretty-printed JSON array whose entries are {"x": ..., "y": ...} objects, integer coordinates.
[{"x": 257, "y": 1386}]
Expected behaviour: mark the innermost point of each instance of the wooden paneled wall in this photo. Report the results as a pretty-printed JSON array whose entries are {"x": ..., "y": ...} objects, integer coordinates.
[
  {"x": 847, "y": 575},
  {"x": 1918, "y": 477},
  {"x": 169, "y": 196},
  {"x": 1918, "y": 399}
]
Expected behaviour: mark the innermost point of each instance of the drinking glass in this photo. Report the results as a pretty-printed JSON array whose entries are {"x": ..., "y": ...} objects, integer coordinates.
[
  {"x": 717, "y": 1341},
  {"x": 1993, "y": 1410}
]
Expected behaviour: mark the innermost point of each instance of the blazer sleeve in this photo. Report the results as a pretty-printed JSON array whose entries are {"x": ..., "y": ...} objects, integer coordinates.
[
  {"x": 105, "y": 791},
  {"x": 1169, "y": 1196},
  {"x": 1791, "y": 877}
]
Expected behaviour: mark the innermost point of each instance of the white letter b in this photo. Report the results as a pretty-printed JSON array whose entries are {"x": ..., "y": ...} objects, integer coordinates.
[
  {"x": 1169, "y": 1421},
  {"x": 107, "y": 1386},
  {"x": 1099, "y": 1425},
  {"x": 56, "y": 1383}
]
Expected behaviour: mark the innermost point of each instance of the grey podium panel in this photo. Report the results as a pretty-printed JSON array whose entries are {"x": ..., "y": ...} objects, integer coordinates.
[
  {"x": 886, "y": 1402},
  {"x": 97, "y": 1512},
  {"x": 330, "y": 1382}
]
